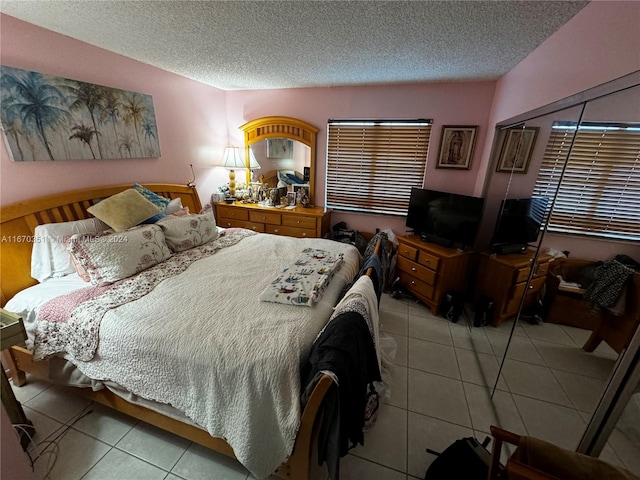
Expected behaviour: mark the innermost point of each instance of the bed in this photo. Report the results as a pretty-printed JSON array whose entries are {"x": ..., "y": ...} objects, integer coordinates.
[{"x": 232, "y": 272}]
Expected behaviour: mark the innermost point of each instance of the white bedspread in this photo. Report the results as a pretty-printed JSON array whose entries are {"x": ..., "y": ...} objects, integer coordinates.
[{"x": 204, "y": 343}]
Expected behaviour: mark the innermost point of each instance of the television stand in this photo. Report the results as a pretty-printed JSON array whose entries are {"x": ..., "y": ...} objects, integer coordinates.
[{"x": 428, "y": 237}]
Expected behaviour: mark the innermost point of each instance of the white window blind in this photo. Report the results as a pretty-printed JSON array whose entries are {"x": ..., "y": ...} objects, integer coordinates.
[
  {"x": 600, "y": 191},
  {"x": 372, "y": 165}
]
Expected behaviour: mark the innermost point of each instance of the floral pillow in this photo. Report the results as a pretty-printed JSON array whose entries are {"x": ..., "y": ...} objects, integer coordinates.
[
  {"x": 158, "y": 200},
  {"x": 111, "y": 257},
  {"x": 187, "y": 231}
]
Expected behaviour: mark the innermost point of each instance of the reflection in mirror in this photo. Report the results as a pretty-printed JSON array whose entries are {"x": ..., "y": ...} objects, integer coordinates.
[
  {"x": 557, "y": 366},
  {"x": 282, "y": 162}
]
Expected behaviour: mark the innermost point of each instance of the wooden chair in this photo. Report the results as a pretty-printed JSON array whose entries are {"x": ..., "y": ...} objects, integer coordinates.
[{"x": 535, "y": 459}]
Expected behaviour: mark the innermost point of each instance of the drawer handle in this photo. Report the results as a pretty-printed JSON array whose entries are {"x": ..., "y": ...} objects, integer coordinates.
[
  {"x": 264, "y": 218},
  {"x": 413, "y": 269},
  {"x": 304, "y": 234},
  {"x": 530, "y": 287},
  {"x": 412, "y": 282},
  {"x": 228, "y": 224},
  {"x": 276, "y": 231},
  {"x": 254, "y": 227},
  {"x": 298, "y": 222}
]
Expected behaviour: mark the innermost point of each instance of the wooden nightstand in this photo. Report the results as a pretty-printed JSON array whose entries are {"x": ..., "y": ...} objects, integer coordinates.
[
  {"x": 429, "y": 271},
  {"x": 12, "y": 332},
  {"x": 503, "y": 279}
]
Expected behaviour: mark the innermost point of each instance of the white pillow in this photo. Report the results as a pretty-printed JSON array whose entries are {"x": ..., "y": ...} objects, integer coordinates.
[
  {"x": 173, "y": 206},
  {"x": 112, "y": 257},
  {"x": 49, "y": 256},
  {"x": 187, "y": 231}
]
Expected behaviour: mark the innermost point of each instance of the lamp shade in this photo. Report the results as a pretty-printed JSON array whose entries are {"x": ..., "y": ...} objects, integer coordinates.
[
  {"x": 232, "y": 159},
  {"x": 253, "y": 163}
]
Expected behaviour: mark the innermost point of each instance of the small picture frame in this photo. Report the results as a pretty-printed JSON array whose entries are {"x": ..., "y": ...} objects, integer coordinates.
[
  {"x": 301, "y": 191},
  {"x": 456, "y": 146},
  {"x": 291, "y": 198},
  {"x": 517, "y": 147},
  {"x": 281, "y": 148}
]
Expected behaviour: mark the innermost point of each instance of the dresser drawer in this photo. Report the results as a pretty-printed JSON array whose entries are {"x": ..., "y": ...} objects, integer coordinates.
[
  {"x": 299, "y": 221},
  {"x": 256, "y": 227},
  {"x": 541, "y": 269},
  {"x": 266, "y": 217},
  {"x": 225, "y": 212},
  {"x": 417, "y": 286},
  {"x": 534, "y": 286},
  {"x": 231, "y": 223},
  {"x": 521, "y": 275},
  {"x": 408, "y": 252},
  {"x": 428, "y": 260},
  {"x": 422, "y": 273},
  {"x": 290, "y": 231}
]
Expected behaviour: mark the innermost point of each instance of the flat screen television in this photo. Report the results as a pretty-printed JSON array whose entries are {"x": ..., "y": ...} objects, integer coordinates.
[
  {"x": 447, "y": 219},
  {"x": 518, "y": 224}
]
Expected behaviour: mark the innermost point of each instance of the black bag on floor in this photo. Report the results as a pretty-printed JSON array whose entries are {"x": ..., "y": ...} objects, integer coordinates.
[{"x": 465, "y": 458}]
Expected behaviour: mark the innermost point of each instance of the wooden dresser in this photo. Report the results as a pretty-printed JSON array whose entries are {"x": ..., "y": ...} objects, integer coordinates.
[
  {"x": 503, "y": 279},
  {"x": 429, "y": 271},
  {"x": 312, "y": 222}
]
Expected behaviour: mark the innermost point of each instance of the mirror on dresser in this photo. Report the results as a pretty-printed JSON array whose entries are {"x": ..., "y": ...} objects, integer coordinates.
[
  {"x": 284, "y": 148},
  {"x": 547, "y": 380}
]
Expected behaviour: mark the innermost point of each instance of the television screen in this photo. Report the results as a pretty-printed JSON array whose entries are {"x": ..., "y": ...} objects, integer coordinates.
[
  {"x": 519, "y": 221},
  {"x": 445, "y": 218}
]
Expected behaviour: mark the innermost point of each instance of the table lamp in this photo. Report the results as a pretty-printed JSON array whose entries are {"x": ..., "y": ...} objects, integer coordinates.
[
  {"x": 232, "y": 160},
  {"x": 253, "y": 163}
]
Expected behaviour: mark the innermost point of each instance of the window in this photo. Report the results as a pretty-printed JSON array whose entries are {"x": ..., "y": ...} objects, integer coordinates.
[
  {"x": 372, "y": 164},
  {"x": 600, "y": 190}
]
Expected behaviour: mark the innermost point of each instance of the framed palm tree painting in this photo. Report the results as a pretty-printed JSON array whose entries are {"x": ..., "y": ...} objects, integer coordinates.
[{"x": 53, "y": 118}]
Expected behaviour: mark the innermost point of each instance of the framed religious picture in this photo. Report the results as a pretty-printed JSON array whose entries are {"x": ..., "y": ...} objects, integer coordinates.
[
  {"x": 456, "y": 146},
  {"x": 517, "y": 147}
]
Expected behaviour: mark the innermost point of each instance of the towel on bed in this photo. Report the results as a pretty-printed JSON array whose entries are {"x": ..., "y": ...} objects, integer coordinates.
[{"x": 303, "y": 282}]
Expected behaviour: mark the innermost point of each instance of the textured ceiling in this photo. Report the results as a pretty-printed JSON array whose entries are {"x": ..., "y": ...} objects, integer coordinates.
[{"x": 274, "y": 44}]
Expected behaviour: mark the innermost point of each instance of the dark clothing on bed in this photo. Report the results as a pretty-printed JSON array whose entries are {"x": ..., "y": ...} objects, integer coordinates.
[{"x": 345, "y": 348}]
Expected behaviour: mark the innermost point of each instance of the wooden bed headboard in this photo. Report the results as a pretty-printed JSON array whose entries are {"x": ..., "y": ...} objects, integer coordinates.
[{"x": 18, "y": 222}]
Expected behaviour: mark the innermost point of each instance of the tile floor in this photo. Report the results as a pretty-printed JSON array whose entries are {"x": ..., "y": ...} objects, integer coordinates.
[{"x": 440, "y": 392}]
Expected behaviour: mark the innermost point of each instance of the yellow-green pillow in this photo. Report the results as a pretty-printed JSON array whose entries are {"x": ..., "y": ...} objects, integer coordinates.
[{"x": 124, "y": 210}]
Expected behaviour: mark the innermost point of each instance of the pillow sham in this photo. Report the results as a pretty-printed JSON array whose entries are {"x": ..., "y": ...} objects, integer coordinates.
[
  {"x": 124, "y": 210},
  {"x": 112, "y": 257},
  {"x": 49, "y": 256},
  {"x": 183, "y": 232}
]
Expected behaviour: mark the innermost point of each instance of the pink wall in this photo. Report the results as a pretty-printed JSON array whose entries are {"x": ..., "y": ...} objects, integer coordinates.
[
  {"x": 446, "y": 103},
  {"x": 191, "y": 118},
  {"x": 594, "y": 47}
]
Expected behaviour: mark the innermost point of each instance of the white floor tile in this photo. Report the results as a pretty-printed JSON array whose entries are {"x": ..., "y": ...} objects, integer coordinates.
[
  {"x": 401, "y": 349},
  {"x": 560, "y": 425},
  {"x": 43, "y": 425},
  {"x": 578, "y": 335},
  {"x": 427, "y": 432},
  {"x": 421, "y": 310},
  {"x": 394, "y": 322},
  {"x": 398, "y": 387},
  {"x": 433, "y": 357},
  {"x": 500, "y": 410},
  {"x": 117, "y": 465},
  {"x": 59, "y": 403},
  {"x": 388, "y": 303},
  {"x": 76, "y": 454},
  {"x": 519, "y": 348},
  {"x": 386, "y": 442},
  {"x": 434, "y": 329},
  {"x": 549, "y": 332},
  {"x": 534, "y": 381},
  {"x": 574, "y": 360},
  {"x": 479, "y": 368},
  {"x": 200, "y": 463},
  {"x": 33, "y": 387},
  {"x": 438, "y": 397},
  {"x": 105, "y": 424},
  {"x": 355, "y": 468},
  {"x": 584, "y": 392},
  {"x": 474, "y": 339},
  {"x": 153, "y": 445}
]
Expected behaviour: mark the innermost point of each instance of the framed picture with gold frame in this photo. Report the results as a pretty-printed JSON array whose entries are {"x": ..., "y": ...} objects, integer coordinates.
[
  {"x": 517, "y": 148},
  {"x": 456, "y": 146}
]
